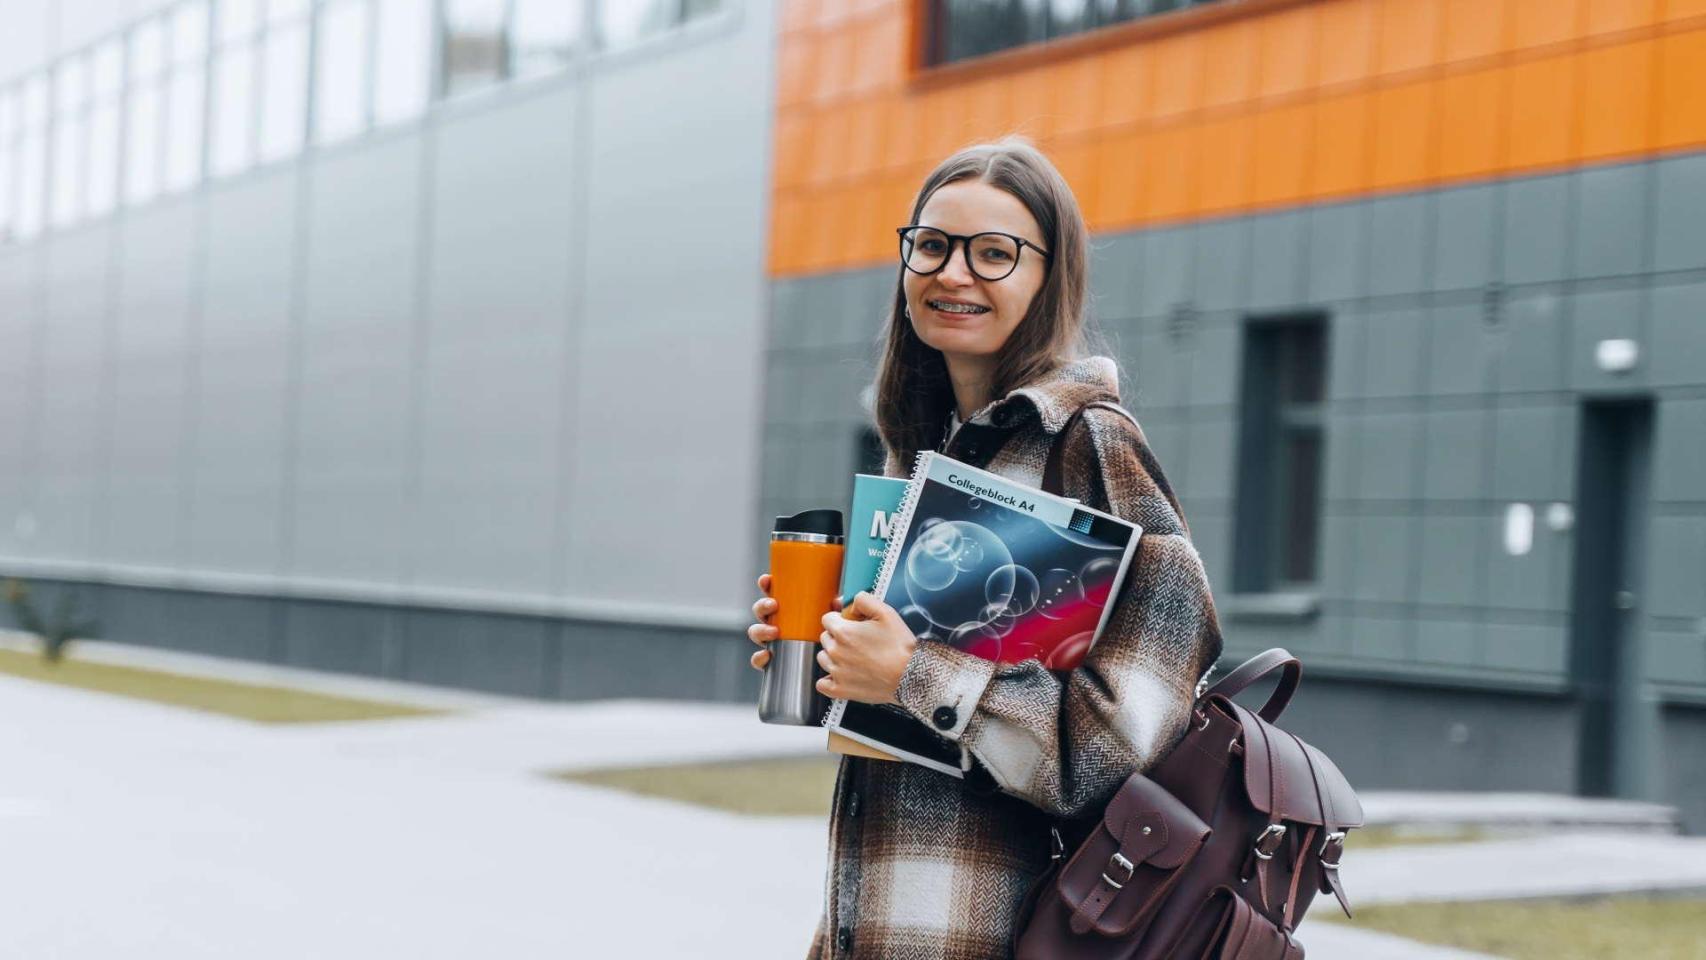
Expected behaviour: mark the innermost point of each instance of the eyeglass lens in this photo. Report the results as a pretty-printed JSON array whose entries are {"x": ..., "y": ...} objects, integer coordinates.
[{"x": 992, "y": 255}]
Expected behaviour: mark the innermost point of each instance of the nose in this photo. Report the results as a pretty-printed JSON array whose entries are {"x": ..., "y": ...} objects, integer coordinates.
[{"x": 957, "y": 271}]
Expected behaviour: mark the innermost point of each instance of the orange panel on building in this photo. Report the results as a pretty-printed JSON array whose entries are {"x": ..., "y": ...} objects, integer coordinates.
[{"x": 1213, "y": 110}]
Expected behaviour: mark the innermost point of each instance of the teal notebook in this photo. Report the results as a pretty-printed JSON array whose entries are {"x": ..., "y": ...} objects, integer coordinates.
[{"x": 876, "y": 500}]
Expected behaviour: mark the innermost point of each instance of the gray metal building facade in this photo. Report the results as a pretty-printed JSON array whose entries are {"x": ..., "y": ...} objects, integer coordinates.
[
  {"x": 1462, "y": 330},
  {"x": 482, "y": 399},
  {"x": 468, "y": 399}
]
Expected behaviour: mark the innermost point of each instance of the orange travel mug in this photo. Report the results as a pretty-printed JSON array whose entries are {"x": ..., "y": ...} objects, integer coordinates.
[{"x": 806, "y": 551}]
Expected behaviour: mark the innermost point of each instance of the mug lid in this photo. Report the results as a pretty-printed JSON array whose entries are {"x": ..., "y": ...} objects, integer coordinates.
[{"x": 823, "y": 523}]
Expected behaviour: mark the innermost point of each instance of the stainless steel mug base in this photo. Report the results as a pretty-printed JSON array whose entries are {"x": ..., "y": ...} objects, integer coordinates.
[{"x": 789, "y": 694}]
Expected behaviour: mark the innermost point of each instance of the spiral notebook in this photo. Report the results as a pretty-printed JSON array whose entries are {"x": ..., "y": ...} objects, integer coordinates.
[{"x": 995, "y": 568}]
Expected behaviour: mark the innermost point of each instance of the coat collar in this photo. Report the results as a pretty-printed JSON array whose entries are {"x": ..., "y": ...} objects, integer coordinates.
[{"x": 1055, "y": 397}]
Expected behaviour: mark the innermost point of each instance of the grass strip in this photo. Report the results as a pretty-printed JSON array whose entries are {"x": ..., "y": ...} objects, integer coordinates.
[
  {"x": 247, "y": 701},
  {"x": 1374, "y": 838},
  {"x": 773, "y": 788},
  {"x": 1649, "y": 928}
]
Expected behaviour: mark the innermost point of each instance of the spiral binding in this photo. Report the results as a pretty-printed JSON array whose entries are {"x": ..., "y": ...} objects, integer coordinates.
[{"x": 891, "y": 550}]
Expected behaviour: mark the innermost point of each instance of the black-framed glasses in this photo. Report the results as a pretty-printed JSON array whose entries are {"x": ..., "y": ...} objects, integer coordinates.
[{"x": 991, "y": 255}]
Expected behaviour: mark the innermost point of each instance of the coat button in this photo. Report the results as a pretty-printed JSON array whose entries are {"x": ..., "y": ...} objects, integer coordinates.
[
  {"x": 853, "y": 804},
  {"x": 944, "y": 718},
  {"x": 844, "y": 938}
]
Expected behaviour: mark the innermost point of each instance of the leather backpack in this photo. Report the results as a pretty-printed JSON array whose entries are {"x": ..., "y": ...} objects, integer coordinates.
[{"x": 1216, "y": 852}]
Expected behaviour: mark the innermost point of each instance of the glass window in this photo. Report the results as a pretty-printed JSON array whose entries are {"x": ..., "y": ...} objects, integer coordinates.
[
  {"x": 31, "y": 199},
  {"x": 70, "y": 98},
  {"x": 340, "y": 71},
  {"x": 7, "y": 183},
  {"x": 106, "y": 83},
  {"x": 147, "y": 50},
  {"x": 623, "y": 24},
  {"x": 960, "y": 29},
  {"x": 1070, "y": 16},
  {"x": 284, "y": 93},
  {"x": 279, "y": 11},
  {"x": 185, "y": 112},
  {"x": 68, "y": 142},
  {"x": 142, "y": 143},
  {"x": 970, "y": 28},
  {"x": 32, "y": 171},
  {"x": 403, "y": 55},
  {"x": 10, "y": 121},
  {"x": 102, "y": 191},
  {"x": 475, "y": 54},
  {"x": 693, "y": 9},
  {"x": 238, "y": 19},
  {"x": 106, "y": 70},
  {"x": 9, "y": 124},
  {"x": 35, "y": 102},
  {"x": 231, "y": 149},
  {"x": 543, "y": 35},
  {"x": 1279, "y": 456},
  {"x": 189, "y": 32},
  {"x": 71, "y": 86}
]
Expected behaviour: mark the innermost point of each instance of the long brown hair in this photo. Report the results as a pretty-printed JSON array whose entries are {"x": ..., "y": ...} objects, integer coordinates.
[{"x": 913, "y": 392}]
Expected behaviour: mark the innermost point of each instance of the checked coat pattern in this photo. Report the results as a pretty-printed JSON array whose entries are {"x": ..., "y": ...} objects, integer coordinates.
[{"x": 923, "y": 866}]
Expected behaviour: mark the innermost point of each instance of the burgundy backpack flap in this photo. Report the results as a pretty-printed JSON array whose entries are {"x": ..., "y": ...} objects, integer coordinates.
[
  {"x": 1247, "y": 935},
  {"x": 1342, "y": 812},
  {"x": 1125, "y": 868},
  {"x": 1289, "y": 780}
]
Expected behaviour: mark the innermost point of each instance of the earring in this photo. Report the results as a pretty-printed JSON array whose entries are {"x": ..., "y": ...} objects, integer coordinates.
[{"x": 907, "y": 312}]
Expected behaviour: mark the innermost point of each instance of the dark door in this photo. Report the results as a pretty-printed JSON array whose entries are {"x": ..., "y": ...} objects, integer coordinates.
[{"x": 1612, "y": 476}]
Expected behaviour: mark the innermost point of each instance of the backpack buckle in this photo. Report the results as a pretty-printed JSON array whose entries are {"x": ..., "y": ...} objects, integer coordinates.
[
  {"x": 1122, "y": 863},
  {"x": 1334, "y": 844},
  {"x": 1058, "y": 844},
  {"x": 1270, "y": 840}
]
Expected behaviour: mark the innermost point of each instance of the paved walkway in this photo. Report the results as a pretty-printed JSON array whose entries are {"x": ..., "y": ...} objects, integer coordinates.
[{"x": 143, "y": 831}]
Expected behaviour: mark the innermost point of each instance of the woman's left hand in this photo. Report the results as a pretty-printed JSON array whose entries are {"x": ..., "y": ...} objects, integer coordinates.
[{"x": 864, "y": 652}]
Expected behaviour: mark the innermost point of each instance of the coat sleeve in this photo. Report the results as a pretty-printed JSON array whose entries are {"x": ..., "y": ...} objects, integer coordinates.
[{"x": 1066, "y": 741}]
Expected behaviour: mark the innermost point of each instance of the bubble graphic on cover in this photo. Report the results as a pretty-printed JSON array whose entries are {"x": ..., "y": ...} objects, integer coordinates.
[
  {"x": 932, "y": 563},
  {"x": 1098, "y": 574},
  {"x": 913, "y": 616},
  {"x": 1071, "y": 651},
  {"x": 967, "y": 633},
  {"x": 998, "y": 619},
  {"x": 1061, "y": 590},
  {"x": 1014, "y": 587},
  {"x": 947, "y": 570}
]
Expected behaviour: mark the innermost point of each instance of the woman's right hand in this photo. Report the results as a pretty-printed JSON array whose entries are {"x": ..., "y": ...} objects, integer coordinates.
[{"x": 764, "y": 630}]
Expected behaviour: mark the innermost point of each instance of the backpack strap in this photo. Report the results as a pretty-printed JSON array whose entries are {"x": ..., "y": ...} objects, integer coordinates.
[
  {"x": 1057, "y": 452},
  {"x": 1257, "y": 667}
]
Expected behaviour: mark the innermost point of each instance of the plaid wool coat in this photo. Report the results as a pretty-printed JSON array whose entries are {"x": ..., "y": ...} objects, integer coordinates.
[{"x": 923, "y": 866}]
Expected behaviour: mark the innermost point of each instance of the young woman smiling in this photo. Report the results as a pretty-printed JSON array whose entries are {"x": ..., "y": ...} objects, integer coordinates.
[{"x": 985, "y": 358}]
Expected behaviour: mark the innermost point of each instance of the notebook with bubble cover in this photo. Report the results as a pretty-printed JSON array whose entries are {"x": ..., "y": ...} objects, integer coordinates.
[{"x": 997, "y": 569}]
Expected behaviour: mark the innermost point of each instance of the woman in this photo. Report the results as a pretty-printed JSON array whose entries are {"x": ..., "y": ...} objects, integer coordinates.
[{"x": 985, "y": 359}]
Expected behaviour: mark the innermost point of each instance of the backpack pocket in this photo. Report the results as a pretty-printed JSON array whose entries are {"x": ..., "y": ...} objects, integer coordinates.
[
  {"x": 1127, "y": 866},
  {"x": 1244, "y": 934}
]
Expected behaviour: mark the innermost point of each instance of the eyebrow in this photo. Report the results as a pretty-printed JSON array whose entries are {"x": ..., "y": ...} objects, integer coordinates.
[{"x": 973, "y": 233}]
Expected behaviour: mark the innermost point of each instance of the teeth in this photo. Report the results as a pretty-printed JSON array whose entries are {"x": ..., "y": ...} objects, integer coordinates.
[{"x": 958, "y": 307}]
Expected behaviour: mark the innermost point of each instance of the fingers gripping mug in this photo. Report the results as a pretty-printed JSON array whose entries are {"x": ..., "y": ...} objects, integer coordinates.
[{"x": 805, "y": 572}]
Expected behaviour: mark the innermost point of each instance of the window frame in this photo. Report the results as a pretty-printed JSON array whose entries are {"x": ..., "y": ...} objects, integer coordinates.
[
  {"x": 1266, "y": 420},
  {"x": 136, "y": 180},
  {"x": 926, "y": 73}
]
